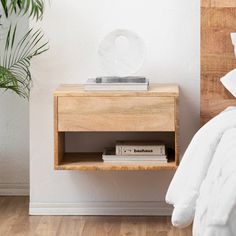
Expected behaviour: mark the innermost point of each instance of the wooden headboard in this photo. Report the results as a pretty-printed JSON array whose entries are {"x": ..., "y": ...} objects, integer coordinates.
[{"x": 218, "y": 20}]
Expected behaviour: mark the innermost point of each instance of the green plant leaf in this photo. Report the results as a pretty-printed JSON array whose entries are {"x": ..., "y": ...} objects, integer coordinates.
[
  {"x": 34, "y": 8},
  {"x": 9, "y": 81},
  {"x": 5, "y": 7},
  {"x": 14, "y": 64}
]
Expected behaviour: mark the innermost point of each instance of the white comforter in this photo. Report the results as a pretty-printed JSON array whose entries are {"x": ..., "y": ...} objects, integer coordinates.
[
  {"x": 204, "y": 177},
  {"x": 216, "y": 205}
]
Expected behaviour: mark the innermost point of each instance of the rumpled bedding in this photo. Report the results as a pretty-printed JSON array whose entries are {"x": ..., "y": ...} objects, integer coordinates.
[
  {"x": 190, "y": 187},
  {"x": 216, "y": 205}
]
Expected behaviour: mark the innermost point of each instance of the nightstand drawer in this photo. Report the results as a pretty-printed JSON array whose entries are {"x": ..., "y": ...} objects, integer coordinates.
[{"x": 116, "y": 113}]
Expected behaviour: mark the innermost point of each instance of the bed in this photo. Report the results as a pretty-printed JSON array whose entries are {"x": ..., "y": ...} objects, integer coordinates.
[{"x": 203, "y": 190}]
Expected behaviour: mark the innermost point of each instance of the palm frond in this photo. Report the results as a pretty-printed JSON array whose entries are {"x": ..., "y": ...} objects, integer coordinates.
[
  {"x": 15, "y": 62},
  {"x": 9, "y": 81},
  {"x": 34, "y": 8},
  {"x": 5, "y": 7}
]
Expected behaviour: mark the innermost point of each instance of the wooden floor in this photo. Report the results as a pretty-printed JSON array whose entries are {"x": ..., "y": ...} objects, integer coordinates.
[{"x": 14, "y": 220}]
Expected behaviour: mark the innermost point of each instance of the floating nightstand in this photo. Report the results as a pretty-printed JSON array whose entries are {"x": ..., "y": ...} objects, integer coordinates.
[{"x": 154, "y": 111}]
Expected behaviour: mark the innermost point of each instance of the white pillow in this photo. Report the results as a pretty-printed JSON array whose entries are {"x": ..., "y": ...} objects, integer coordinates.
[{"x": 229, "y": 82}]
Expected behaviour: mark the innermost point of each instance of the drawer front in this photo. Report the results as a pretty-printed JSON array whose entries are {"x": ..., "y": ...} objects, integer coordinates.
[{"x": 116, "y": 113}]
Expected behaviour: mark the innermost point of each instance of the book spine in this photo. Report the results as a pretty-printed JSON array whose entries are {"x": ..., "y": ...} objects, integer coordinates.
[
  {"x": 133, "y": 159},
  {"x": 140, "y": 150},
  {"x": 118, "y": 150}
]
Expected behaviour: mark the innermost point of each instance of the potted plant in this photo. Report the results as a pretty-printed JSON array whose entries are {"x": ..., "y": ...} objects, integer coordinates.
[{"x": 15, "y": 56}]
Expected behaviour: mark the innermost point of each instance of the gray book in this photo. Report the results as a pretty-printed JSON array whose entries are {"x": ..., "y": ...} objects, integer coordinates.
[{"x": 117, "y": 84}]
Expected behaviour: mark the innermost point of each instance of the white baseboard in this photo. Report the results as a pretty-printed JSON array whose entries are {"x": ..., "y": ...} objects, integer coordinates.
[
  {"x": 14, "y": 189},
  {"x": 142, "y": 208}
]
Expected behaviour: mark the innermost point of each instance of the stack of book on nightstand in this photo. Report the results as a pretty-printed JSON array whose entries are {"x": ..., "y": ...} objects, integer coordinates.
[
  {"x": 115, "y": 83},
  {"x": 126, "y": 151}
]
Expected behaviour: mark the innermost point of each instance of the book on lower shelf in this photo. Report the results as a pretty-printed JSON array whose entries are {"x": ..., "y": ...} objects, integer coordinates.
[
  {"x": 140, "y": 148},
  {"x": 109, "y": 155}
]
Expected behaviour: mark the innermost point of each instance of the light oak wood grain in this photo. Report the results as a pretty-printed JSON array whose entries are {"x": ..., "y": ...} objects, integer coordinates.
[
  {"x": 177, "y": 147},
  {"x": 160, "y": 90},
  {"x": 15, "y": 221},
  {"x": 116, "y": 114},
  {"x": 48, "y": 225},
  {"x": 59, "y": 137},
  {"x": 218, "y": 20},
  {"x": 72, "y": 226},
  {"x": 218, "y": 3},
  {"x": 93, "y": 161},
  {"x": 135, "y": 226},
  {"x": 78, "y": 111},
  {"x": 102, "y": 226}
]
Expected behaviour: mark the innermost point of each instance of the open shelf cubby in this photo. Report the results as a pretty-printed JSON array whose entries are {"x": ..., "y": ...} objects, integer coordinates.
[
  {"x": 83, "y": 150},
  {"x": 87, "y": 122}
]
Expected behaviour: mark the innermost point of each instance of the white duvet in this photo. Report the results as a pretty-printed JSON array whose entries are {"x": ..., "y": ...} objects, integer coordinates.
[{"x": 204, "y": 186}]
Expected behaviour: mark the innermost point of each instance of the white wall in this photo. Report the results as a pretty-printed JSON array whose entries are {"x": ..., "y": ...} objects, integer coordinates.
[
  {"x": 171, "y": 32},
  {"x": 14, "y": 133},
  {"x": 14, "y": 145}
]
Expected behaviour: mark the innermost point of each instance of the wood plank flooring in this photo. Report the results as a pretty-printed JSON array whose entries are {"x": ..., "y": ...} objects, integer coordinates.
[{"x": 14, "y": 220}]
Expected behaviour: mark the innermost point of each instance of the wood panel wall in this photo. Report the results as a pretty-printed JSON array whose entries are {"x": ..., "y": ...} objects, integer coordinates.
[{"x": 218, "y": 20}]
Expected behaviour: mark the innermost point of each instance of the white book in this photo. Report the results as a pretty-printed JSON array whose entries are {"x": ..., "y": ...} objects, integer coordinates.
[
  {"x": 140, "y": 162},
  {"x": 92, "y": 85},
  {"x": 115, "y": 87},
  {"x": 109, "y": 156},
  {"x": 140, "y": 148},
  {"x": 132, "y": 158},
  {"x": 164, "y": 160}
]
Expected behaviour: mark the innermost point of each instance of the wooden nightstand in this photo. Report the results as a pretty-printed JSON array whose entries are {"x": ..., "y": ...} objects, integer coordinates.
[{"x": 76, "y": 110}]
